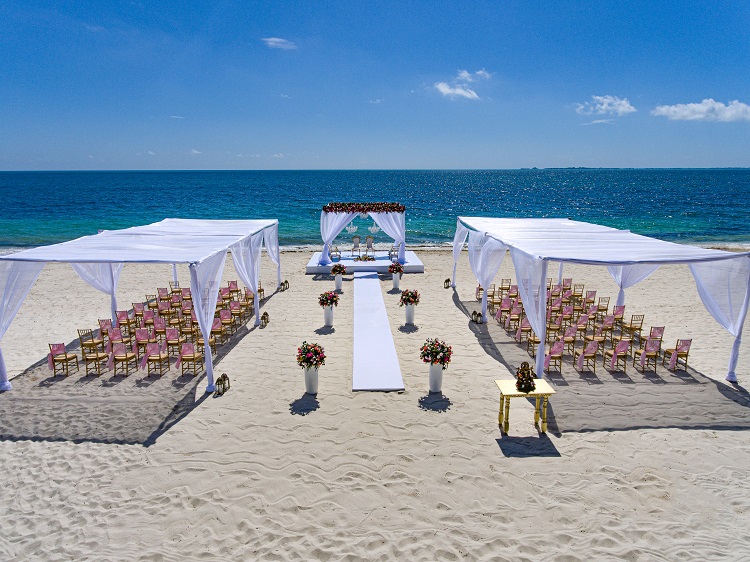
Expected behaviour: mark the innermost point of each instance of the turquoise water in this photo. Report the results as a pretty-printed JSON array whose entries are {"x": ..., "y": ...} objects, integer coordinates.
[{"x": 709, "y": 207}]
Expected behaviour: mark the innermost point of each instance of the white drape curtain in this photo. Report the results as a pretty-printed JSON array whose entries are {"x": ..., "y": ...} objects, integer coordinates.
[
  {"x": 394, "y": 225},
  {"x": 628, "y": 275},
  {"x": 271, "y": 242},
  {"x": 331, "y": 224},
  {"x": 724, "y": 288},
  {"x": 102, "y": 277},
  {"x": 531, "y": 273},
  {"x": 246, "y": 258},
  {"x": 458, "y": 244},
  {"x": 485, "y": 257},
  {"x": 16, "y": 280},
  {"x": 205, "y": 279}
]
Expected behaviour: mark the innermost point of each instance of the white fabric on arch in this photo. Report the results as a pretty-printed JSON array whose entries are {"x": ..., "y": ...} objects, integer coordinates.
[
  {"x": 724, "y": 288},
  {"x": 246, "y": 258},
  {"x": 271, "y": 242},
  {"x": 205, "y": 278},
  {"x": 628, "y": 275},
  {"x": 331, "y": 224},
  {"x": 16, "y": 280},
  {"x": 531, "y": 273},
  {"x": 102, "y": 277},
  {"x": 394, "y": 225},
  {"x": 458, "y": 244}
]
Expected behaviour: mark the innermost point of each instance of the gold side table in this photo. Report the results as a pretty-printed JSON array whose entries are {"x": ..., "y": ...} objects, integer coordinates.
[{"x": 541, "y": 395}]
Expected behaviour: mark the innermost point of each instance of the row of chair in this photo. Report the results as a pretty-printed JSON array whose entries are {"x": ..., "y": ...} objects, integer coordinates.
[
  {"x": 151, "y": 332},
  {"x": 571, "y": 314},
  {"x": 357, "y": 248}
]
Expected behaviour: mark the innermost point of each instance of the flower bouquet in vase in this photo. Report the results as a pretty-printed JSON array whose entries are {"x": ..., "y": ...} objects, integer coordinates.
[
  {"x": 328, "y": 300},
  {"x": 310, "y": 356},
  {"x": 396, "y": 270},
  {"x": 409, "y": 299},
  {"x": 438, "y": 355},
  {"x": 337, "y": 271}
]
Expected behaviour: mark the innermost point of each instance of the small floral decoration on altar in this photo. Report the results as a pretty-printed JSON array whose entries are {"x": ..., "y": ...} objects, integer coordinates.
[
  {"x": 409, "y": 297},
  {"x": 328, "y": 298},
  {"x": 364, "y": 208},
  {"x": 436, "y": 352},
  {"x": 310, "y": 355},
  {"x": 364, "y": 258},
  {"x": 395, "y": 267},
  {"x": 338, "y": 269}
]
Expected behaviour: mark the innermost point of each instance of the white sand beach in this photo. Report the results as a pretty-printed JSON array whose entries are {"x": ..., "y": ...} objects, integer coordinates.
[{"x": 117, "y": 468}]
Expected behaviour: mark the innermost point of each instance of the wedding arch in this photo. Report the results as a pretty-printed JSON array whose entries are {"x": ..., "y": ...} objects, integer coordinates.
[{"x": 390, "y": 217}]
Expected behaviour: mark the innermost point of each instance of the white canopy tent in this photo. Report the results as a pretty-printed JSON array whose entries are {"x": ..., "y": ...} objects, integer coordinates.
[
  {"x": 98, "y": 260},
  {"x": 722, "y": 278},
  {"x": 332, "y": 223}
]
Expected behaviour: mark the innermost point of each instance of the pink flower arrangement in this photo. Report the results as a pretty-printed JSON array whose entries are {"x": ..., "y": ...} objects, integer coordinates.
[
  {"x": 364, "y": 208},
  {"x": 338, "y": 269},
  {"x": 395, "y": 268},
  {"x": 328, "y": 298},
  {"x": 409, "y": 297},
  {"x": 310, "y": 355},
  {"x": 436, "y": 352}
]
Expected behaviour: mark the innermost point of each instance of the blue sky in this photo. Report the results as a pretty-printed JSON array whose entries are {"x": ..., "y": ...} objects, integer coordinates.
[{"x": 373, "y": 85}]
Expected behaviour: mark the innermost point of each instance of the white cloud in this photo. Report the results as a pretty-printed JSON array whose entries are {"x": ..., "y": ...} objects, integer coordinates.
[
  {"x": 376, "y": 101},
  {"x": 459, "y": 86},
  {"x": 176, "y": 117},
  {"x": 603, "y": 105},
  {"x": 284, "y": 96},
  {"x": 707, "y": 110},
  {"x": 151, "y": 153},
  {"x": 456, "y": 91},
  {"x": 465, "y": 76},
  {"x": 195, "y": 152},
  {"x": 600, "y": 122},
  {"x": 277, "y": 155},
  {"x": 279, "y": 43},
  {"x": 93, "y": 28}
]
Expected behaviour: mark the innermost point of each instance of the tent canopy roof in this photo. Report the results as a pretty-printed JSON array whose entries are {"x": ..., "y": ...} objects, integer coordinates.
[
  {"x": 167, "y": 241},
  {"x": 580, "y": 242}
]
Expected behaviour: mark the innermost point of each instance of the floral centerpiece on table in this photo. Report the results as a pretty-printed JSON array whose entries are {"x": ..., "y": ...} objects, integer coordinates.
[
  {"x": 409, "y": 297},
  {"x": 338, "y": 269},
  {"x": 436, "y": 352},
  {"x": 310, "y": 355},
  {"x": 329, "y": 298},
  {"x": 395, "y": 268}
]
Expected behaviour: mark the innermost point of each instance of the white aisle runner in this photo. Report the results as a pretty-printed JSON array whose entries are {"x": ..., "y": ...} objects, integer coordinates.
[{"x": 375, "y": 362}]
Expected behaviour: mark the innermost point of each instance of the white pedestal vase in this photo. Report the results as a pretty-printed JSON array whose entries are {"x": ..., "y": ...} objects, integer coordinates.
[
  {"x": 396, "y": 280},
  {"x": 311, "y": 380},
  {"x": 409, "y": 313},
  {"x": 339, "y": 281},
  {"x": 328, "y": 315},
  {"x": 436, "y": 378}
]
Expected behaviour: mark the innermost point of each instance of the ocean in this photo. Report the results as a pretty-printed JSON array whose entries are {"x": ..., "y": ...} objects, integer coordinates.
[{"x": 706, "y": 207}]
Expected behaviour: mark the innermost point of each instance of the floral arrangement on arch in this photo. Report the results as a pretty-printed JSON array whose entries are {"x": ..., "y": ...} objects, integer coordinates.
[
  {"x": 395, "y": 268},
  {"x": 329, "y": 298},
  {"x": 310, "y": 355},
  {"x": 436, "y": 352},
  {"x": 364, "y": 208},
  {"x": 338, "y": 269},
  {"x": 409, "y": 297}
]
